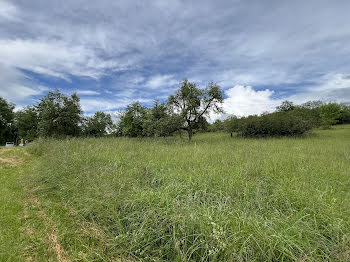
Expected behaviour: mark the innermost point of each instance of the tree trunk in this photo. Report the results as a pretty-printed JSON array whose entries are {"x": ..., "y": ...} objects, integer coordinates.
[{"x": 190, "y": 133}]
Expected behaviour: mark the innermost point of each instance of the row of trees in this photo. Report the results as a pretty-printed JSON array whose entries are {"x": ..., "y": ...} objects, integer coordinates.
[
  {"x": 57, "y": 115},
  {"x": 185, "y": 110}
]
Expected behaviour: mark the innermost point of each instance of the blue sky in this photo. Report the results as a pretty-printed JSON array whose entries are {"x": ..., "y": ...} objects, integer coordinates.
[{"x": 114, "y": 52}]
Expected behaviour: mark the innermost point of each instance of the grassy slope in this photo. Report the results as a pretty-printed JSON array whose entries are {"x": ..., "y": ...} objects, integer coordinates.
[
  {"x": 11, "y": 200},
  {"x": 216, "y": 198},
  {"x": 31, "y": 230}
]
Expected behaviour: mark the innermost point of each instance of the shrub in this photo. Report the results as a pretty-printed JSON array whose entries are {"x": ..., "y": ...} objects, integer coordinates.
[
  {"x": 329, "y": 114},
  {"x": 344, "y": 117},
  {"x": 284, "y": 123}
]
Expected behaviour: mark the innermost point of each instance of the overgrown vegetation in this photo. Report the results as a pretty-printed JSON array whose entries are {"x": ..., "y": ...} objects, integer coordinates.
[{"x": 215, "y": 199}]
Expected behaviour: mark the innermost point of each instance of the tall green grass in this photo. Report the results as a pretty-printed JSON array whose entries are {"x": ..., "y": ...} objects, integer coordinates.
[
  {"x": 213, "y": 199},
  {"x": 11, "y": 198}
]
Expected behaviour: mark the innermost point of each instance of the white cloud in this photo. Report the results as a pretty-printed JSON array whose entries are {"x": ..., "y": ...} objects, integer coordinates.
[
  {"x": 100, "y": 104},
  {"x": 103, "y": 104},
  {"x": 16, "y": 86},
  {"x": 135, "y": 80},
  {"x": 8, "y": 11},
  {"x": 332, "y": 88},
  {"x": 244, "y": 100},
  {"x": 87, "y": 92},
  {"x": 161, "y": 81},
  {"x": 19, "y": 92},
  {"x": 54, "y": 58}
]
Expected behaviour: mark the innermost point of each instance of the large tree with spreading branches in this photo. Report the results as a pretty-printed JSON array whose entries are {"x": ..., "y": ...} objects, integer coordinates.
[{"x": 193, "y": 104}]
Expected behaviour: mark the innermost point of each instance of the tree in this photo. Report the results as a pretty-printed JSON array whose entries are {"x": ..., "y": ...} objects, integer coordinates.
[
  {"x": 192, "y": 104},
  {"x": 312, "y": 104},
  {"x": 330, "y": 113},
  {"x": 59, "y": 115},
  {"x": 344, "y": 117},
  {"x": 285, "y": 106},
  {"x": 231, "y": 124},
  {"x": 159, "y": 121},
  {"x": 218, "y": 125},
  {"x": 6, "y": 120},
  {"x": 27, "y": 121},
  {"x": 98, "y": 125},
  {"x": 132, "y": 120}
]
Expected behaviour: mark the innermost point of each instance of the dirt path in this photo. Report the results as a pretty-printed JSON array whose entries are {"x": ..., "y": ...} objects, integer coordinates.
[
  {"x": 24, "y": 225},
  {"x": 13, "y": 160},
  {"x": 11, "y": 205},
  {"x": 33, "y": 206}
]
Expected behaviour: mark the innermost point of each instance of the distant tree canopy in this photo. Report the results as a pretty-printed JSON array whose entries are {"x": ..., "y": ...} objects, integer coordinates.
[
  {"x": 186, "y": 110},
  {"x": 217, "y": 126},
  {"x": 59, "y": 115},
  {"x": 284, "y": 123},
  {"x": 290, "y": 119},
  {"x": 285, "y": 106},
  {"x": 344, "y": 116},
  {"x": 132, "y": 120},
  {"x": 330, "y": 114},
  {"x": 140, "y": 121},
  {"x": 192, "y": 104},
  {"x": 98, "y": 125},
  {"x": 160, "y": 121},
  {"x": 27, "y": 121},
  {"x": 6, "y": 121}
]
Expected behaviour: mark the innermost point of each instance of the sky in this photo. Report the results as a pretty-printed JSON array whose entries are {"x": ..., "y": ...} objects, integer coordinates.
[{"x": 115, "y": 52}]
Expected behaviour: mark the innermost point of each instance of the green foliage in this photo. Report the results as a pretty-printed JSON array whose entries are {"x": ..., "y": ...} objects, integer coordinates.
[
  {"x": 192, "y": 104},
  {"x": 285, "y": 106},
  {"x": 27, "y": 121},
  {"x": 231, "y": 124},
  {"x": 316, "y": 104},
  {"x": 160, "y": 122},
  {"x": 344, "y": 116},
  {"x": 132, "y": 120},
  {"x": 98, "y": 125},
  {"x": 291, "y": 122},
  {"x": 330, "y": 114},
  {"x": 140, "y": 121},
  {"x": 59, "y": 115},
  {"x": 6, "y": 121},
  {"x": 218, "y": 125}
]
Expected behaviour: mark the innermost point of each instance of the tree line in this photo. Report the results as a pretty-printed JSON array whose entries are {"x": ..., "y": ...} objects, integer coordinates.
[
  {"x": 287, "y": 120},
  {"x": 60, "y": 116}
]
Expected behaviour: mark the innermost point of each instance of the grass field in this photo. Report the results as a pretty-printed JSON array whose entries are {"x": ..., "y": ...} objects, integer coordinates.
[{"x": 213, "y": 199}]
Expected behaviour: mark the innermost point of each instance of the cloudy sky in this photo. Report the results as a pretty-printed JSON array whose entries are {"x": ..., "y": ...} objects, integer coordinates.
[{"x": 114, "y": 52}]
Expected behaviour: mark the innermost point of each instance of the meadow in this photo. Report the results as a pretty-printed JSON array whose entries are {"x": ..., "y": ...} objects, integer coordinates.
[{"x": 215, "y": 198}]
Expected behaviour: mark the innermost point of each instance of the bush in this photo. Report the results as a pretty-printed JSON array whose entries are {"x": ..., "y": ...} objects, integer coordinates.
[
  {"x": 284, "y": 123},
  {"x": 217, "y": 126},
  {"x": 330, "y": 114},
  {"x": 344, "y": 117}
]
